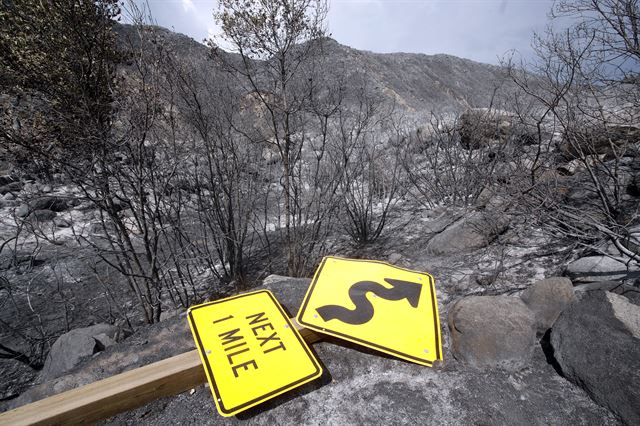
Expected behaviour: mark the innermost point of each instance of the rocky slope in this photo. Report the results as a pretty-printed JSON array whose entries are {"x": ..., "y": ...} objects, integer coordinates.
[
  {"x": 517, "y": 349},
  {"x": 423, "y": 83},
  {"x": 362, "y": 386},
  {"x": 417, "y": 83},
  {"x": 517, "y": 338}
]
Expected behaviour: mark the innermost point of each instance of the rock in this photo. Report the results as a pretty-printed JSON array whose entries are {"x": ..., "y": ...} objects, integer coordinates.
[
  {"x": 596, "y": 343},
  {"x": 626, "y": 312},
  {"x": 11, "y": 187},
  {"x": 608, "y": 248},
  {"x": 30, "y": 187},
  {"x": 394, "y": 258},
  {"x": 55, "y": 204},
  {"x": 606, "y": 141},
  {"x": 9, "y": 196},
  {"x": 288, "y": 291},
  {"x": 105, "y": 227},
  {"x": 72, "y": 347},
  {"x": 270, "y": 156},
  {"x": 86, "y": 206},
  {"x": 22, "y": 210},
  {"x": 437, "y": 222},
  {"x": 471, "y": 232},
  {"x": 492, "y": 331},
  {"x": 630, "y": 292},
  {"x": 104, "y": 341},
  {"x": 577, "y": 195},
  {"x": 127, "y": 213},
  {"x": 483, "y": 280},
  {"x": 167, "y": 314},
  {"x": 161, "y": 341},
  {"x": 43, "y": 215},
  {"x": 119, "y": 205},
  {"x": 479, "y": 127},
  {"x": 28, "y": 178},
  {"x": 485, "y": 196},
  {"x": 489, "y": 199},
  {"x": 570, "y": 168},
  {"x": 98, "y": 228},
  {"x": 6, "y": 179},
  {"x": 61, "y": 222},
  {"x": 597, "y": 268},
  {"x": 547, "y": 299},
  {"x": 46, "y": 188}
]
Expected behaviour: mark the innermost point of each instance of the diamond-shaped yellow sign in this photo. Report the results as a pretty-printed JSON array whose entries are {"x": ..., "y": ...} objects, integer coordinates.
[
  {"x": 250, "y": 350},
  {"x": 384, "y": 307}
]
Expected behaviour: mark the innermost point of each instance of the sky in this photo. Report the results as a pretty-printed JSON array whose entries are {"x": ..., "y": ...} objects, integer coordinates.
[{"x": 482, "y": 30}]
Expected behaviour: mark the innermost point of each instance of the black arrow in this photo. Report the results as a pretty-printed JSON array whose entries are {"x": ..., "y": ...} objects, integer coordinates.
[{"x": 363, "y": 311}]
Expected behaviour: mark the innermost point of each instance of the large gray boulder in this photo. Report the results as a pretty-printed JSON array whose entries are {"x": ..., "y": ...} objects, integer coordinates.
[
  {"x": 492, "y": 331},
  {"x": 630, "y": 292},
  {"x": 11, "y": 187},
  {"x": 437, "y": 222},
  {"x": 150, "y": 344},
  {"x": 472, "y": 232},
  {"x": 42, "y": 215},
  {"x": 61, "y": 222},
  {"x": 6, "y": 179},
  {"x": 596, "y": 342},
  {"x": 288, "y": 291},
  {"x": 56, "y": 204},
  {"x": 479, "y": 127},
  {"x": 547, "y": 299},
  {"x": 22, "y": 210},
  {"x": 74, "y": 346},
  {"x": 608, "y": 140},
  {"x": 490, "y": 198},
  {"x": 598, "y": 268}
]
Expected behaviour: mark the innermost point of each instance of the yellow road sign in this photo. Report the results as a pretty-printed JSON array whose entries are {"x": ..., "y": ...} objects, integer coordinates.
[
  {"x": 384, "y": 307},
  {"x": 250, "y": 350}
]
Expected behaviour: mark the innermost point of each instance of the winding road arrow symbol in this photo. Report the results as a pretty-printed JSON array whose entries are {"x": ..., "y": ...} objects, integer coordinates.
[{"x": 363, "y": 311}]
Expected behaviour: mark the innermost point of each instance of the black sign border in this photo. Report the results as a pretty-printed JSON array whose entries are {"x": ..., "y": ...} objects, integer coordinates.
[
  {"x": 325, "y": 330},
  {"x": 220, "y": 402}
]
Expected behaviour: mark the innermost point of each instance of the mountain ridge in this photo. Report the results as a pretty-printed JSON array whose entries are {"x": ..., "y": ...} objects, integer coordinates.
[{"x": 421, "y": 84}]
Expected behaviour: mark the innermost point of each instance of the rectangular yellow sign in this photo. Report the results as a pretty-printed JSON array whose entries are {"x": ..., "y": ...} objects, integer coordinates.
[
  {"x": 381, "y": 306},
  {"x": 250, "y": 350}
]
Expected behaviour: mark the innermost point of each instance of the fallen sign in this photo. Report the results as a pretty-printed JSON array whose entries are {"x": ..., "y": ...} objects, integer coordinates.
[
  {"x": 125, "y": 391},
  {"x": 394, "y": 309},
  {"x": 250, "y": 350}
]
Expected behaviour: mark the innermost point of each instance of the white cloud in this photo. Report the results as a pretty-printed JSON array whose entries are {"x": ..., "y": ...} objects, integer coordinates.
[
  {"x": 188, "y": 5},
  {"x": 482, "y": 30}
]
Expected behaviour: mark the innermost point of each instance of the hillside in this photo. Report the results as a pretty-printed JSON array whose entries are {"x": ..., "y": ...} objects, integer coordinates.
[
  {"x": 201, "y": 187},
  {"x": 417, "y": 83},
  {"x": 424, "y": 83}
]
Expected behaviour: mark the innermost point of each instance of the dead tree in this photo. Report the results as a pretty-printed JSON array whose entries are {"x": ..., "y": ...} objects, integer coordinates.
[
  {"x": 584, "y": 87},
  {"x": 279, "y": 43}
]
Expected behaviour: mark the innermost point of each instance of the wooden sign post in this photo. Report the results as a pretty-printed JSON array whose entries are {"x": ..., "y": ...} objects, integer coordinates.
[
  {"x": 371, "y": 303},
  {"x": 119, "y": 393}
]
